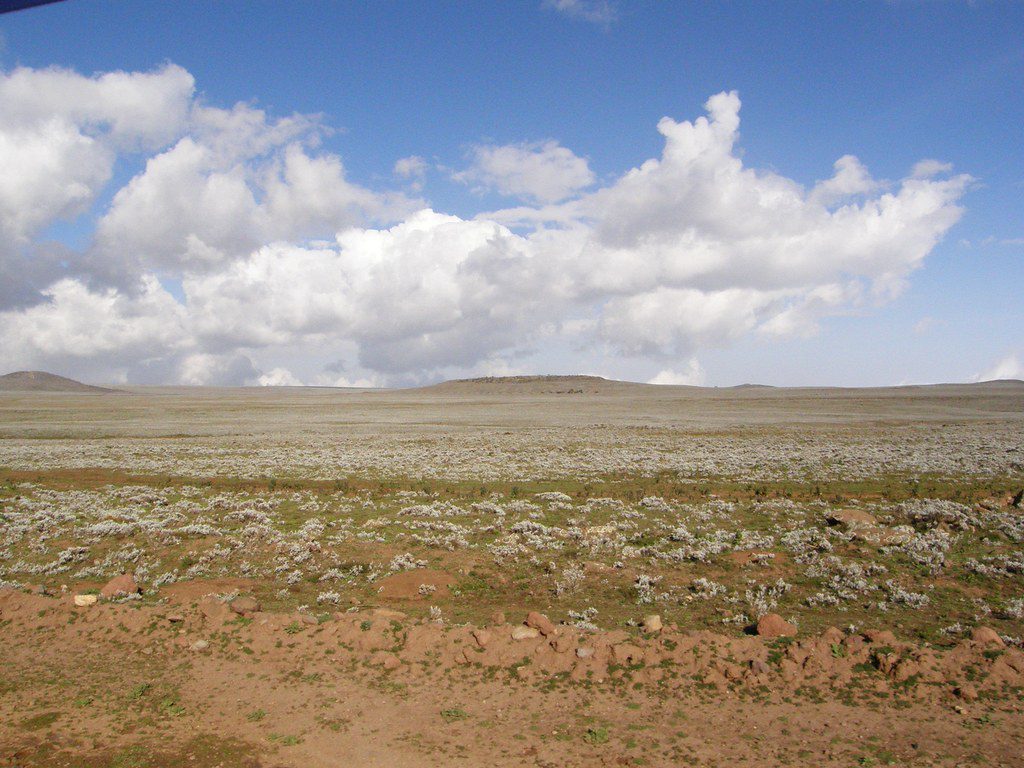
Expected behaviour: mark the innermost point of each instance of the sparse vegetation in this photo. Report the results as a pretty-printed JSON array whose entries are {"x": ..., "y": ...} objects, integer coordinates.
[{"x": 865, "y": 526}]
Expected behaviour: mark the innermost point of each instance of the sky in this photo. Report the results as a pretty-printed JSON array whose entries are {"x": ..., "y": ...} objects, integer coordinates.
[{"x": 396, "y": 193}]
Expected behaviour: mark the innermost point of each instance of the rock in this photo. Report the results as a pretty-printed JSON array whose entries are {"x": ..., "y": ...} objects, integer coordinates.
[
  {"x": 652, "y": 623},
  {"x": 83, "y": 601},
  {"x": 967, "y": 692},
  {"x": 1017, "y": 500},
  {"x": 214, "y": 609},
  {"x": 497, "y": 618},
  {"x": 244, "y": 605},
  {"x": 584, "y": 653},
  {"x": 308, "y": 618},
  {"x": 541, "y": 623},
  {"x": 773, "y": 625},
  {"x": 175, "y": 618},
  {"x": 851, "y": 518},
  {"x": 199, "y": 645},
  {"x": 987, "y": 636},
  {"x": 525, "y": 633},
  {"x": 120, "y": 585},
  {"x": 482, "y": 637}
]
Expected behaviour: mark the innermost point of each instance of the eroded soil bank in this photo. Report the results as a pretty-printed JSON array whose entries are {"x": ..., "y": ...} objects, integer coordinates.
[{"x": 196, "y": 680}]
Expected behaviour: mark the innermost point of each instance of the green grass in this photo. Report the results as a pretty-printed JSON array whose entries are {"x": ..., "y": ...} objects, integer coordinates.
[
  {"x": 454, "y": 714},
  {"x": 38, "y": 722}
]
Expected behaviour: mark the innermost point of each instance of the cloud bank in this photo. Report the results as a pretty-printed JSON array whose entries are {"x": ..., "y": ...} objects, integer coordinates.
[{"x": 241, "y": 239}]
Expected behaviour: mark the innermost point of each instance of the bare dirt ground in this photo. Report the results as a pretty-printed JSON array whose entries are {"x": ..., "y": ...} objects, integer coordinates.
[{"x": 347, "y": 577}]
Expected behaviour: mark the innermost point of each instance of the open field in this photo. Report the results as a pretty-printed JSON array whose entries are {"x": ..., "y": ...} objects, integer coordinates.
[{"x": 383, "y": 532}]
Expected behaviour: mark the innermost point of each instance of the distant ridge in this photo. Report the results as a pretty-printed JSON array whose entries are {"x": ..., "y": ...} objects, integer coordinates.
[
  {"x": 41, "y": 381},
  {"x": 539, "y": 385},
  {"x": 597, "y": 385}
]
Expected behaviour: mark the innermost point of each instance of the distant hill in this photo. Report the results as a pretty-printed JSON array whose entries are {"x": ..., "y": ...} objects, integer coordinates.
[
  {"x": 41, "y": 381},
  {"x": 596, "y": 385},
  {"x": 535, "y": 385}
]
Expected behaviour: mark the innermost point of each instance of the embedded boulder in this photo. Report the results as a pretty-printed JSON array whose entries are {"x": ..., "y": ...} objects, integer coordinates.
[
  {"x": 244, "y": 605},
  {"x": 541, "y": 623},
  {"x": 987, "y": 636},
  {"x": 851, "y": 518},
  {"x": 120, "y": 586}
]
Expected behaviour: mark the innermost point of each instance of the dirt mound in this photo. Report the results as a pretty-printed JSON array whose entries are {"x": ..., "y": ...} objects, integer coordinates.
[
  {"x": 671, "y": 659},
  {"x": 41, "y": 381}
]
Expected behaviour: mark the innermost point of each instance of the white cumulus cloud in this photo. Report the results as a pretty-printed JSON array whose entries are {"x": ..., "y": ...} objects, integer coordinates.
[
  {"x": 544, "y": 172},
  {"x": 1010, "y": 367},
  {"x": 601, "y": 12},
  {"x": 270, "y": 250},
  {"x": 692, "y": 375}
]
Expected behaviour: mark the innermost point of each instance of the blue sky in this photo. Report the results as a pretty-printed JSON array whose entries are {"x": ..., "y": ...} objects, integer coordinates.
[{"x": 891, "y": 83}]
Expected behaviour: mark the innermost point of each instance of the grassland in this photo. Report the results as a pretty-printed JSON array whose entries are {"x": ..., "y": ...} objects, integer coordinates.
[{"x": 593, "y": 502}]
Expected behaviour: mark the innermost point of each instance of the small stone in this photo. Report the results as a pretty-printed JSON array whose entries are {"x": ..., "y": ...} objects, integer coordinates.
[
  {"x": 758, "y": 667},
  {"x": 525, "y": 633},
  {"x": 244, "y": 605},
  {"x": 987, "y": 636},
  {"x": 773, "y": 625},
  {"x": 307, "y": 618},
  {"x": 541, "y": 623},
  {"x": 482, "y": 637},
  {"x": 120, "y": 585},
  {"x": 175, "y": 618},
  {"x": 83, "y": 601},
  {"x": 652, "y": 623},
  {"x": 584, "y": 653},
  {"x": 497, "y": 618},
  {"x": 199, "y": 645}
]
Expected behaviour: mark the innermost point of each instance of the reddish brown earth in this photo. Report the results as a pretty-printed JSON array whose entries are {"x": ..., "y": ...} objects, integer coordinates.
[
  {"x": 193, "y": 682},
  {"x": 406, "y": 584}
]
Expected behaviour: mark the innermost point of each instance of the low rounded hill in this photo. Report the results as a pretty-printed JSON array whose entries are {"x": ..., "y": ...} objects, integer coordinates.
[{"x": 41, "y": 381}]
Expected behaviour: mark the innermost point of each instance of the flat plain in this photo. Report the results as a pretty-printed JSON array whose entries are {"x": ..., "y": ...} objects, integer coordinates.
[{"x": 344, "y": 577}]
